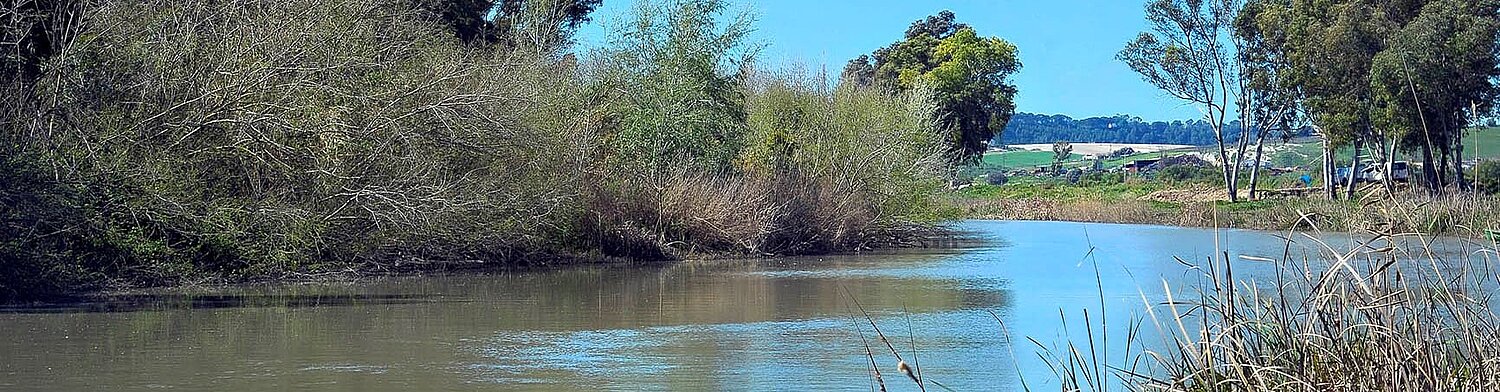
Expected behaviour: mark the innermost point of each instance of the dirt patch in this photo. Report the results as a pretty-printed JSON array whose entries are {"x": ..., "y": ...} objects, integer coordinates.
[
  {"x": 1186, "y": 196},
  {"x": 1104, "y": 148}
]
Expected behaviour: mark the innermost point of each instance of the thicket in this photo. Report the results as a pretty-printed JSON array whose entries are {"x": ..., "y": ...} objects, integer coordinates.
[
  {"x": 1487, "y": 177},
  {"x": 170, "y": 142}
]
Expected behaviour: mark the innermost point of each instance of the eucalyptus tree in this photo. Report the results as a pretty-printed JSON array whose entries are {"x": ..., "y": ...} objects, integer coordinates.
[
  {"x": 1269, "y": 103},
  {"x": 1438, "y": 75},
  {"x": 1190, "y": 53},
  {"x": 1389, "y": 74},
  {"x": 1325, "y": 49}
]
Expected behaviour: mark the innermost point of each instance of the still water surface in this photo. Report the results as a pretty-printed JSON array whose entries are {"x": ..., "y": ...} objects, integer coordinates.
[{"x": 783, "y": 324}]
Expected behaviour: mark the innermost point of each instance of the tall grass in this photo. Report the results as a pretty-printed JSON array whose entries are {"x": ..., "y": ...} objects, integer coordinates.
[
  {"x": 1465, "y": 215},
  {"x": 1392, "y": 313},
  {"x": 1387, "y": 310}
]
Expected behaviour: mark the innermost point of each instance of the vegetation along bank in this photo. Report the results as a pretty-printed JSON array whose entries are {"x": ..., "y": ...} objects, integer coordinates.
[{"x": 150, "y": 143}]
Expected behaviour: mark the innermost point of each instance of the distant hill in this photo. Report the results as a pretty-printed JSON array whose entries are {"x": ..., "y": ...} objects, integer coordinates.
[{"x": 1027, "y": 128}]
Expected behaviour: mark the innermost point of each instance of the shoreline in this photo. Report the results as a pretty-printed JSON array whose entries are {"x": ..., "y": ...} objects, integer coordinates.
[
  {"x": 1458, "y": 217},
  {"x": 938, "y": 237},
  {"x": 1450, "y": 216}
]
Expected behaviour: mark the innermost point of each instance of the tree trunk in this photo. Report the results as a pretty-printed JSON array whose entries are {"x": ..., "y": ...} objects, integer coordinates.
[
  {"x": 1389, "y": 155},
  {"x": 1260, "y": 145},
  {"x": 1458, "y": 158},
  {"x": 1429, "y": 173},
  {"x": 1328, "y": 170},
  {"x": 1442, "y": 167},
  {"x": 1382, "y": 161},
  {"x": 1353, "y": 171},
  {"x": 1228, "y": 170}
]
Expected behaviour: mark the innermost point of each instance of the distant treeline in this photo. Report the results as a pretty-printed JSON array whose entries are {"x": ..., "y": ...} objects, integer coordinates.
[{"x": 1028, "y": 128}]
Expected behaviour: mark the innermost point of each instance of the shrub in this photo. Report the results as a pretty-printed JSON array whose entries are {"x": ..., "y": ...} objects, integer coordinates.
[
  {"x": 996, "y": 178},
  {"x": 204, "y": 140},
  {"x": 1188, "y": 173},
  {"x": 1487, "y": 177},
  {"x": 674, "y": 82},
  {"x": 1102, "y": 178},
  {"x": 188, "y": 146}
]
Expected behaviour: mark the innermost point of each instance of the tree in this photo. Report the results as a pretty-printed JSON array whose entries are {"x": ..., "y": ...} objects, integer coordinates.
[
  {"x": 1188, "y": 54},
  {"x": 1437, "y": 75},
  {"x": 552, "y": 22},
  {"x": 968, "y": 74},
  {"x": 860, "y": 72},
  {"x": 1061, "y": 150},
  {"x": 675, "y": 79},
  {"x": 1389, "y": 74},
  {"x": 1269, "y": 103}
]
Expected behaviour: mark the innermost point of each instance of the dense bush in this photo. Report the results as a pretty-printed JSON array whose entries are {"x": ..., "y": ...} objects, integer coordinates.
[
  {"x": 996, "y": 178},
  {"x": 1487, "y": 177},
  {"x": 705, "y": 154},
  {"x": 177, "y": 141},
  {"x": 1102, "y": 178},
  {"x": 200, "y": 139},
  {"x": 1188, "y": 173}
]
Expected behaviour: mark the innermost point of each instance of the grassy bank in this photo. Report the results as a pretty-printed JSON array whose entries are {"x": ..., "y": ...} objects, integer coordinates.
[{"x": 1199, "y": 204}]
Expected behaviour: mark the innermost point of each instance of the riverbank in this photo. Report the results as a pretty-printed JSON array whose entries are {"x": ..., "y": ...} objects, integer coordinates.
[
  {"x": 406, "y": 147},
  {"x": 1201, "y": 205}
]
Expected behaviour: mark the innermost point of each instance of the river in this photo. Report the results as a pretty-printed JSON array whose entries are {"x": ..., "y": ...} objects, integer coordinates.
[{"x": 778, "y": 324}]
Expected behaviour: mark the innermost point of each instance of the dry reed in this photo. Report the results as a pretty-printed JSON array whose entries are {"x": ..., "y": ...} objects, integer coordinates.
[{"x": 1390, "y": 314}]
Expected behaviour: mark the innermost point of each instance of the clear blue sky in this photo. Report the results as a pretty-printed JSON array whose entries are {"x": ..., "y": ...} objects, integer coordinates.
[{"x": 1067, "y": 46}]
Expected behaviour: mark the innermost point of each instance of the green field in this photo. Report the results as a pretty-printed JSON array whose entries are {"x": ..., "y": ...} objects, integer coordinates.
[
  {"x": 1482, "y": 143},
  {"x": 1022, "y": 159}
]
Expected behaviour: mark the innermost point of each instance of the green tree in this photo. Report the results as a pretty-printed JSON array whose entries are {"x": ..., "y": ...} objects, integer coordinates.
[
  {"x": 969, "y": 76},
  {"x": 1437, "y": 75},
  {"x": 1331, "y": 45},
  {"x": 674, "y": 79},
  {"x": 504, "y": 21},
  {"x": 1388, "y": 74},
  {"x": 1269, "y": 104},
  {"x": 1061, "y": 150},
  {"x": 1190, "y": 53}
]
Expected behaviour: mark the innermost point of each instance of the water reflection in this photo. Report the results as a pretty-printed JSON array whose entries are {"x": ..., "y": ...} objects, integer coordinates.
[
  {"x": 161, "y": 302},
  {"x": 730, "y": 325}
]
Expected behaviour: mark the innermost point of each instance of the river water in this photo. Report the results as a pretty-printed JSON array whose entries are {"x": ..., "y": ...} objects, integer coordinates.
[{"x": 781, "y": 324}]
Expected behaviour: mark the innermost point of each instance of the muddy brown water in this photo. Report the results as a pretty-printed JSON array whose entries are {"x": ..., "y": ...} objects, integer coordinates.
[{"x": 779, "y": 324}]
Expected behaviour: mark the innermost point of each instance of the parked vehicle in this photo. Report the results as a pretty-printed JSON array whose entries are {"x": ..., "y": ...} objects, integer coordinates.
[
  {"x": 1400, "y": 172},
  {"x": 1341, "y": 175},
  {"x": 1370, "y": 171}
]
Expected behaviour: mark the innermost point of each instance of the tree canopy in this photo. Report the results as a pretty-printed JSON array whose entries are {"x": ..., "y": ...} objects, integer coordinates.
[
  {"x": 1398, "y": 74},
  {"x": 968, "y": 74},
  {"x": 498, "y": 21},
  {"x": 1190, "y": 53},
  {"x": 1027, "y": 128}
]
